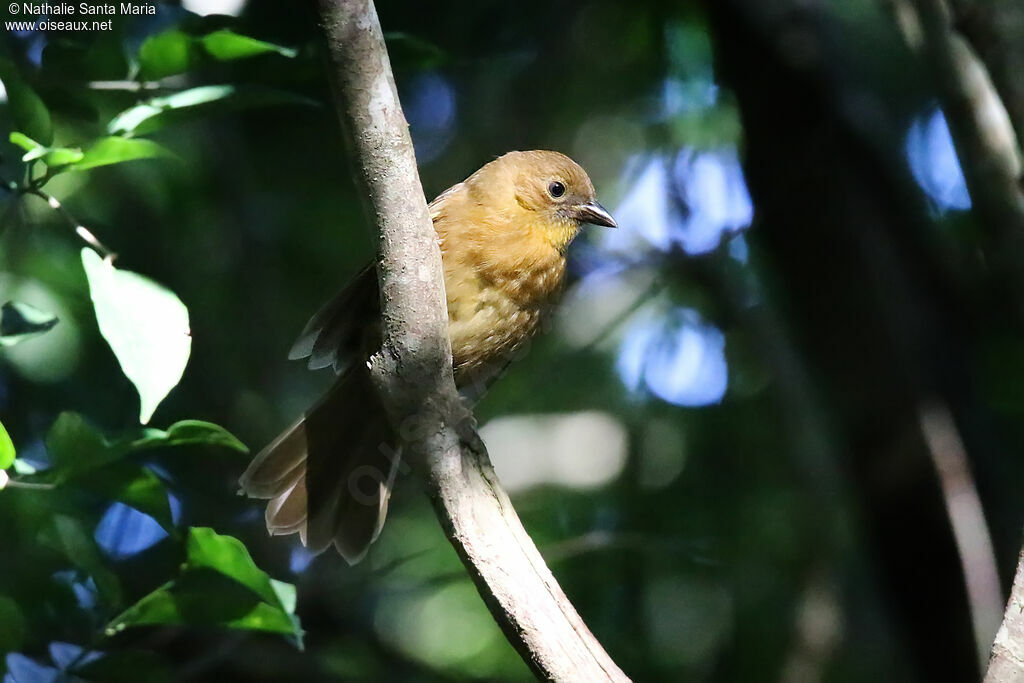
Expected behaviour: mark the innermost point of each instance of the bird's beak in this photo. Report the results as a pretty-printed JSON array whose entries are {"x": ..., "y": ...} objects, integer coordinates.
[{"x": 596, "y": 214}]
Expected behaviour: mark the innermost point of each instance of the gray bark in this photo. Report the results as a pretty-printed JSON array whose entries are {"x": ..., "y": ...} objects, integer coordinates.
[
  {"x": 414, "y": 375},
  {"x": 1007, "y": 662}
]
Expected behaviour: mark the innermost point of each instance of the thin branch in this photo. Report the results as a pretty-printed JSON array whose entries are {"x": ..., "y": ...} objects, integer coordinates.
[
  {"x": 131, "y": 86},
  {"x": 80, "y": 230},
  {"x": 1007, "y": 662},
  {"x": 15, "y": 484},
  {"x": 967, "y": 519},
  {"x": 35, "y": 189},
  {"x": 413, "y": 370}
]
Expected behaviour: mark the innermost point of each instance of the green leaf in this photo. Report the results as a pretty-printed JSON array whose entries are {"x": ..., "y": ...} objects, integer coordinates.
[
  {"x": 189, "y": 104},
  {"x": 145, "y": 325},
  {"x": 225, "y": 45},
  {"x": 103, "y": 152},
  {"x": 219, "y": 586},
  {"x": 286, "y": 595},
  {"x": 19, "y": 322},
  {"x": 166, "y": 54},
  {"x": 227, "y": 555},
  {"x": 7, "y": 452},
  {"x": 36, "y": 153},
  {"x": 204, "y": 599},
  {"x": 136, "y": 487},
  {"x": 52, "y": 156},
  {"x": 27, "y": 110},
  {"x": 69, "y": 537},
  {"x": 61, "y": 156},
  {"x": 116, "y": 150},
  {"x": 76, "y": 447},
  {"x": 81, "y": 453},
  {"x": 32, "y": 148},
  {"x": 25, "y": 142},
  {"x": 175, "y": 52},
  {"x": 189, "y": 433}
]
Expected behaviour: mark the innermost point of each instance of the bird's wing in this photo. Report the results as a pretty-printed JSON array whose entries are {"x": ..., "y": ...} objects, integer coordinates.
[
  {"x": 441, "y": 201},
  {"x": 339, "y": 332},
  {"x": 347, "y": 324}
]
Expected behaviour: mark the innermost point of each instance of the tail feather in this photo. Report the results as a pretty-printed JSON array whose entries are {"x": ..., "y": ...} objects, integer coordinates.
[
  {"x": 329, "y": 477},
  {"x": 286, "y": 514},
  {"x": 278, "y": 465}
]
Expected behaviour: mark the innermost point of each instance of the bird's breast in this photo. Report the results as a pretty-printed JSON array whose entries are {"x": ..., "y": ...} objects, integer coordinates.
[{"x": 494, "y": 306}]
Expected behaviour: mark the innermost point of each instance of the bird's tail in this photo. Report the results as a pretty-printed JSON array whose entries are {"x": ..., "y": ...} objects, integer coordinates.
[{"x": 329, "y": 476}]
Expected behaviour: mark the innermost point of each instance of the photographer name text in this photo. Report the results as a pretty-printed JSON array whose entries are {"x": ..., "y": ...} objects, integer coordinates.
[{"x": 83, "y": 8}]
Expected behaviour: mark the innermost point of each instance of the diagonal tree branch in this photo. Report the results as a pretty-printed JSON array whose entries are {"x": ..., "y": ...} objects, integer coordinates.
[
  {"x": 413, "y": 370},
  {"x": 1007, "y": 662}
]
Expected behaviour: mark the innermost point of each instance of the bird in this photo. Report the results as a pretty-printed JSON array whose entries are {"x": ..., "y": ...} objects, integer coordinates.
[{"x": 503, "y": 234}]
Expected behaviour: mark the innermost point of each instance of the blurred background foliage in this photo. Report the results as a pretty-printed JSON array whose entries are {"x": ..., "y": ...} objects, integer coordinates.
[{"x": 727, "y": 447}]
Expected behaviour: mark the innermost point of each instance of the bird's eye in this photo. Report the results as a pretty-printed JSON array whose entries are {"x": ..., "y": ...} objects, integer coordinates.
[{"x": 556, "y": 189}]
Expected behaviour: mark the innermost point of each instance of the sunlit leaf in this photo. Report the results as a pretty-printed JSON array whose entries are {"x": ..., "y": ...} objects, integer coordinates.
[
  {"x": 202, "y": 101},
  {"x": 175, "y": 52},
  {"x": 225, "y": 45},
  {"x": 25, "y": 142},
  {"x": 51, "y": 156},
  {"x": 19, "y": 322},
  {"x": 61, "y": 156},
  {"x": 227, "y": 555},
  {"x": 7, "y": 452},
  {"x": 116, "y": 150},
  {"x": 189, "y": 433},
  {"x": 28, "y": 111},
  {"x": 166, "y": 54},
  {"x": 219, "y": 586},
  {"x": 145, "y": 325},
  {"x": 35, "y": 153},
  {"x": 204, "y": 599}
]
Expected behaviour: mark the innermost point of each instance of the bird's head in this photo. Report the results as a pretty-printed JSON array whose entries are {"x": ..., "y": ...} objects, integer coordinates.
[{"x": 554, "y": 191}]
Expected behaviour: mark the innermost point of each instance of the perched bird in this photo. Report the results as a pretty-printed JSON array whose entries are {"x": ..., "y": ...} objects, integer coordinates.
[{"x": 503, "y": 233}]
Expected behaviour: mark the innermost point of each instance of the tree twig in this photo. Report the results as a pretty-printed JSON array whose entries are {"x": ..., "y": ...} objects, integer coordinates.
[
  {"x": 83, "y": 232},
  {"x": 413, "y": 370}
]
